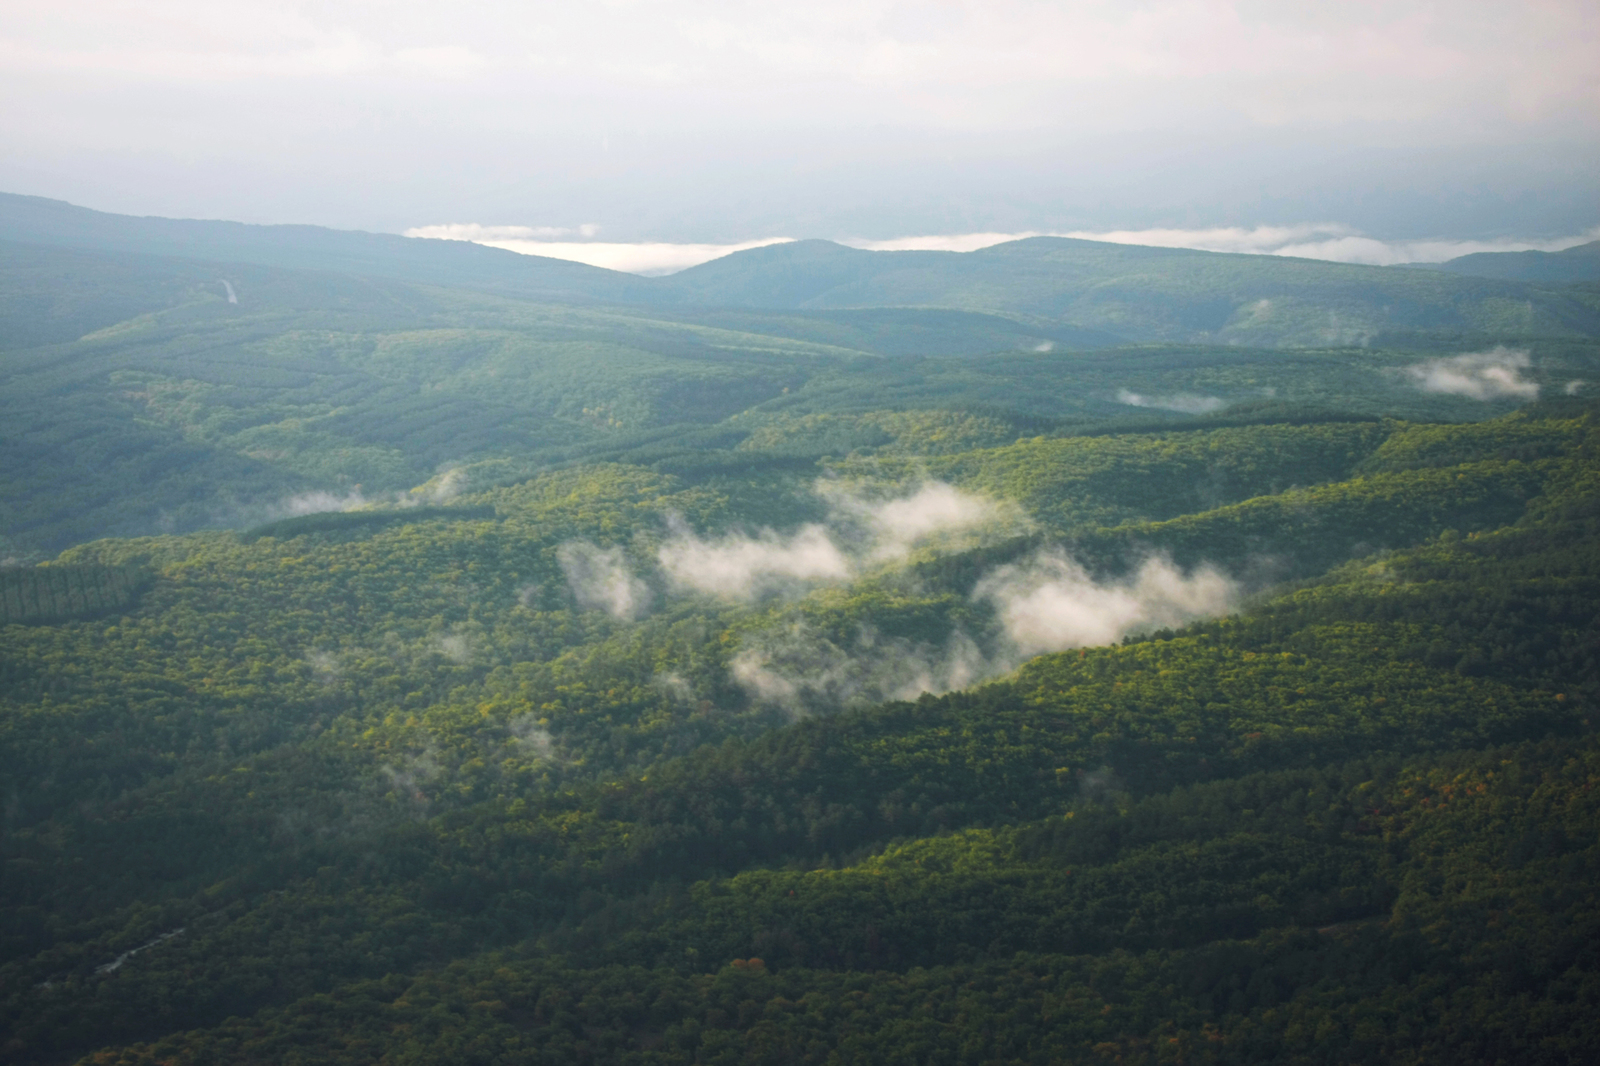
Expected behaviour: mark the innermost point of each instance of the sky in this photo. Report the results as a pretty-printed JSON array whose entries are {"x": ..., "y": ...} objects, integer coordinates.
[{"x": 1419, "y": 128}]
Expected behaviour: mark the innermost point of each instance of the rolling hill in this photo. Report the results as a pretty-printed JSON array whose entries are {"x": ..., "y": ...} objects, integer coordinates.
[
  {"x": 1065, "y": 652},
  {"x": 53, "y": 223},
  {"x": 1141, "y": 294},
  {"x": 1565, "y": 267},
  {"x": 1103, "y": 291},
  {"x": 412, "y": 787}
]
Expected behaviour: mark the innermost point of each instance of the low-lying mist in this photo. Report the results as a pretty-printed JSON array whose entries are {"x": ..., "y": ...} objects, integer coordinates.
[
  {"x": 1051, "y": 603},
  {"x": 1047, "y": 603},
  {"x": 442, "y": 488},
  {"x": 1491, "y": 375},
  {"x": 1183, "y": 402},
  {"x": 741, "y": 566},
  {"x": 601, "y": 580},
  {"x": 1044, "y": 603}
]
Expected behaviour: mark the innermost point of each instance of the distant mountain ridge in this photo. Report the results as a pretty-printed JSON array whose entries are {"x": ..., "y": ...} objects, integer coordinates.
[
  {"x": 1108, "y": 293},
  {"x": 1581, "y": 263},
  {"x": 1143, "y": 294},
  {"x": 457, "y": 264}
]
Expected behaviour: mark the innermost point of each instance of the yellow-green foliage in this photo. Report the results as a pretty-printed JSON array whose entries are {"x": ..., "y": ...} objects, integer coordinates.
[
  {"x": 1517, "y": 436},
  {"x": 1409, "y": 892},
  {"x": 57, "y": 593},
  {"x": 1075, "y": 482},
  {"x": 338, "y": 759},
  {"x": 919, "y": 433}
]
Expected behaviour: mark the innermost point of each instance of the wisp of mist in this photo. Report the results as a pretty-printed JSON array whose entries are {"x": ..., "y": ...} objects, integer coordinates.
[{"x": 1046, "y": 603}]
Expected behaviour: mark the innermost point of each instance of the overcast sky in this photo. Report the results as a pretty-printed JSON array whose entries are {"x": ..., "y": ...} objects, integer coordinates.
[{"x": 682, "y": 121}]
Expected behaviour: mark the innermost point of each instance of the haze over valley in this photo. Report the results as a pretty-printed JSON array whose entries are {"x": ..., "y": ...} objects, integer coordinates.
[{"x": 679, "y": 533}]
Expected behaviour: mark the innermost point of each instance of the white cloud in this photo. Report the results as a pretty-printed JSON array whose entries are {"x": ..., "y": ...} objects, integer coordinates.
[
  {"x": 471, "y": 231},
  {"x": 1051, "y": 603},
  {"x": 860, "y": 530},
  {"x": 933, "y": 508},
  {"x": 649, "y": 258},
  {"x": 1357, "y": 249},
  {"x": 1046, "y": 604},
  {"x": 323, "y": 501},
  {"x": 439, "y": 489},
  {"x": 1184, "y": 402},
  {"x": 740, "y": 567},
  {"x": 674, "y": 685},
  {"x": 891, "y": 527},
  {"x": 945, "y": 242},
  {"x": 526, "y": 730},
  {"x": 325, "y": 666},
  {"x": 802, "y": 671},
  {"x": 1491, "y": 375},
  {"x": 1333, "y": 241},
  {"x": 600, "y": 579},
  {"x": 457, "y": 647}
]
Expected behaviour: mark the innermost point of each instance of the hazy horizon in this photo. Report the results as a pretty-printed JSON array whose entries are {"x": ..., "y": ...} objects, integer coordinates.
[
  {"x": 1331, "y": 242},
  {"x": 722, "y": 124},
  {"x": 1327, "y": 241}
]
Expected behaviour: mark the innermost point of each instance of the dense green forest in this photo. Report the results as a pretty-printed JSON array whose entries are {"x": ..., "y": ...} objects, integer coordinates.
[{"x": 399, "y": 667}]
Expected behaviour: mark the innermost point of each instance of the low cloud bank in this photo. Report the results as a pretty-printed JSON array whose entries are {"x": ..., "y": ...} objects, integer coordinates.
[
  {"x": 1051, "y": 603},
  {"x": 325, "y": 666},
  {"x": 1490, "y": 375},
  {"x": 322, "y": 502},
  {"x": 890, "y": 528},
  {"x": 601, "y": 580},
  {"x": 471, "y": 231},
  {"x": 741, "y": 567},
  {"x": 1046, "y": 604},
  {"x": 746, "y": 566},
  {"x": 457, "y": 647},
  {"x": 802, "y": 671},
  {"x": 648, "y": 258},
  {"x": 1331, "y": 241},
  {"x": 318, "y": 501},
  {"x": 859, "y": 532},
  {"x": 1184, "y": 402},
  {"x": 443, "y": 488},
  {"x": 526, "y": 730}
]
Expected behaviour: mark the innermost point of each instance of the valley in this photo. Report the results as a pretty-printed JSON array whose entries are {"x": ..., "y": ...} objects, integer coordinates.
[{"x": 416, "y": 652}]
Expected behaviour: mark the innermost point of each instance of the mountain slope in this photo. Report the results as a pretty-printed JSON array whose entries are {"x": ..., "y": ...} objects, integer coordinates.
[
  {"x": 1560, "y": 268},
  {"x": 342, "y": 763},
  {"x": 1109, "y": 290},
  {"x": 1143, "y": 294},
  {"x": 54, "y": 223},
  {"x": 194, "y": 394}
]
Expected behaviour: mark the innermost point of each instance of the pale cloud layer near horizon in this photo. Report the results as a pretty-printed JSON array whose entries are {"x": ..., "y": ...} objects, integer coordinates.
[
  {"x": 720, "y": 123},
  {"x": 1325, "y": 241}
]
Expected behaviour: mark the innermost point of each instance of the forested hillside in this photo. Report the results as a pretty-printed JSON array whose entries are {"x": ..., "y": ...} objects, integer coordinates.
[
  {"x": 400, "y": 671},
  {"x": 149, "y": 393},
  {"x": 1094, "y": 289},
  {"x": 345, "y": 761},
  {"x": 1144, "y": 294},
  {"x": 34, "y": 220},
  {"x": 1581, "y": 263}
]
